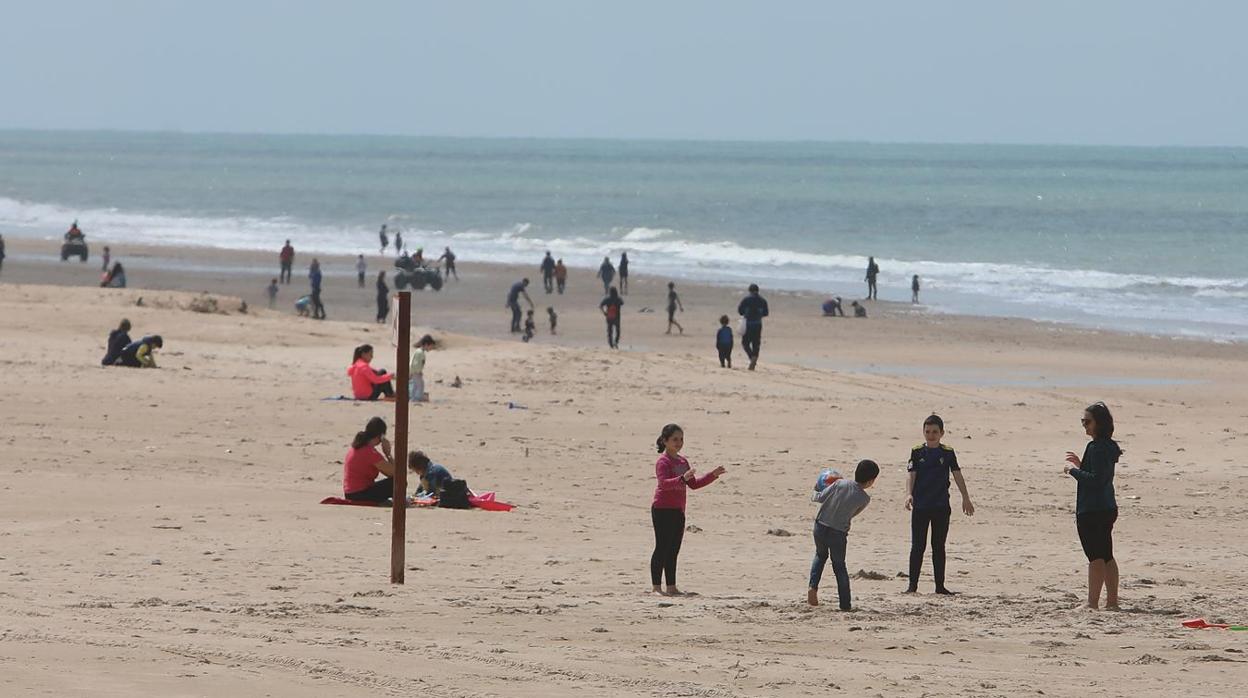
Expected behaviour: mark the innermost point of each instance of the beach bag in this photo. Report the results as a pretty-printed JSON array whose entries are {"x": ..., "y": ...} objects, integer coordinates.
[
  {"x": 741, "y": 327},
  {"x": 454, "y": 495}
]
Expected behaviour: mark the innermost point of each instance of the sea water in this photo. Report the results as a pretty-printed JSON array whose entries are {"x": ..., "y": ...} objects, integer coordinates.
[{"x": 1141, "y": 239}]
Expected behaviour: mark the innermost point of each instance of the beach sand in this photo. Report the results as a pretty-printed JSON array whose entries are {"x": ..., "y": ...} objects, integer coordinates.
[{"x": 162, "y": 533}]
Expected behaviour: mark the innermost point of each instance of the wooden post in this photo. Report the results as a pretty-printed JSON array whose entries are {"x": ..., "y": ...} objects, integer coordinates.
[{"x": 398, "y": 523}]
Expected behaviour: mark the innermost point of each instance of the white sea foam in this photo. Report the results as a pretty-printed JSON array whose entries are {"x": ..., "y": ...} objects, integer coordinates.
[{"x": 1211, "y": 306}]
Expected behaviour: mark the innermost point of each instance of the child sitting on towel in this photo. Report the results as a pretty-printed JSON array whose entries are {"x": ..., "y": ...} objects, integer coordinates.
[{"x": 433, "y": 477}]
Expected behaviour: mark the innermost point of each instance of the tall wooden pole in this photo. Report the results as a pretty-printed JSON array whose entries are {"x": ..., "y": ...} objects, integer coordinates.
[{"x": 398, "y": 524}]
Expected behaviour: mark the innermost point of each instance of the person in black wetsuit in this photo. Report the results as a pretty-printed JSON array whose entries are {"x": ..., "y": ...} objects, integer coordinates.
[
  {"x": 753, "y": 308},
  {"x": 623, "y": 269},
  {"x": 873, "y": 270},
  {"x": 611, "y": 310},
  {"x": 927, "y": 498},
  {"x": 383, "y": 297},
  {"x": 118, "y": 340},
  {"x": 1096, "y": 510},
  {"x": 548, "y": 272}
]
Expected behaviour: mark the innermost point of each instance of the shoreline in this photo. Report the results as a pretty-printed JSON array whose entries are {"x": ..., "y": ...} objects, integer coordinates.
[{"x": 221, "y": 270}]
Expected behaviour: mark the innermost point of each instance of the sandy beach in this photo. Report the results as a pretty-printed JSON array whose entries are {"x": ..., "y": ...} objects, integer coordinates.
[{"x": 162, "y": 533}]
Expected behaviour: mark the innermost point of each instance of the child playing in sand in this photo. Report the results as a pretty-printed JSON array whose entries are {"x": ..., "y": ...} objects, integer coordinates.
[
  {"x": 667, "y": 511},
  {"x": 927, "y": 498},
  {"x": 839, "y": 502},
  {"x": 302, "y": 304},
  {"x": 416, "y": 370},
  {"x": 433, "y": 477},
  {"x": 554, "y": 319},
  {"x": 530, "y": 326},
  {"x": 272, "y": 289},
  {"x": 723, "y": 342}
]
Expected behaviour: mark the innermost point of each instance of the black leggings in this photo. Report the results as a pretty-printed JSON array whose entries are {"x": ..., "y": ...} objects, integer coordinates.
[
  {"x": 383, "y": 307},
  {"x": 613, "y": 333},
  {"x": 380, "y": 491},
  {"x": 752, "y": 341},
  {"x": 920, "y": 519},
  {"x": 669, "y": 532},
  {"x": 380, "y": 389}
]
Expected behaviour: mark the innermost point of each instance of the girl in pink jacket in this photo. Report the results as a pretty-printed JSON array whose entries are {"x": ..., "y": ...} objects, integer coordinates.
[{"x": 667, "y": 511}]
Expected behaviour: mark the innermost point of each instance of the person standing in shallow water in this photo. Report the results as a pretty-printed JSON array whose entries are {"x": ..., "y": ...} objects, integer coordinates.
[
  {"x": 873, "y": 271},
  {"x": 1096, "y": 509},
  {"x": 753, "y": 308}
]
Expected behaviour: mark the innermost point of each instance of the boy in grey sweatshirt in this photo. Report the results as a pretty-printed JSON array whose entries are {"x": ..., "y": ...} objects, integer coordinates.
[{"x": 839, "y": 502}]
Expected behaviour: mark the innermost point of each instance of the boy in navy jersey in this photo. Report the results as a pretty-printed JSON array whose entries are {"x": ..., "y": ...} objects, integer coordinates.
[{"x": 927, "y": 490}]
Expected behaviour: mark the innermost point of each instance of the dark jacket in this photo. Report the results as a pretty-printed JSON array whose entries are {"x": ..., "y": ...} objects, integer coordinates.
[
  {"x": 1096, "y": 477},
  {"x": 753, "y": 308},
  {"x": 117, "y": 341}
]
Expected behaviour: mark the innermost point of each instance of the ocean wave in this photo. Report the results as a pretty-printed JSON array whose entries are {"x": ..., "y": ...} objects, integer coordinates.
[{"x": 1029, "y": 290}]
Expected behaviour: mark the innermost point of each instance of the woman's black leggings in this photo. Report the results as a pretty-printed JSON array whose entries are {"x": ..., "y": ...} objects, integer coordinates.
[
  {"x": 920, "y": 519},
  {"x": 380, "y": 389},
  {"x": 380, "y": 491},
  {"x": 383, "y": 307},
  {"x": 613, "y": 333},
  {"x": 669, "y": 532}
]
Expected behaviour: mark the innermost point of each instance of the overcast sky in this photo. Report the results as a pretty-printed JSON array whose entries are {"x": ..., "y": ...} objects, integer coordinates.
[{"x": 1047, "y": 71}]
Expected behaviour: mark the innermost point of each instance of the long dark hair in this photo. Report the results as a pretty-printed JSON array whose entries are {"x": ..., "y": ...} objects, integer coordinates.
[
  {"x": 668, "y": 430},
  {"x": 361, "y": 351},
  {"x": 1103, "y": 419},
  {"x": 375, "y": 427}
]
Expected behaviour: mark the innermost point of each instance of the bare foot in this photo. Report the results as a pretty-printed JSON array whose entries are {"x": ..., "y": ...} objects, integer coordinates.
[
  {"x": 658, "y": 590},
  {"x": 812, "y": 597},
  {"x": 1112, "y": 606},
  {"x": 673, "y": 591}
]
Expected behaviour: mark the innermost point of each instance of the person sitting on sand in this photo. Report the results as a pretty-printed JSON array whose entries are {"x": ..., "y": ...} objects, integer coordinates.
[
  {"x": 1096, "y": 510},
  {"x": 364, "y": 463},
  {"x": 141, "y": 354},
  {"x": 115, "y": 278},
  {"x": 432, "y": 476},
  {"x": 118, "y": 340},
  {"x": 859, "y": 309},
  {"x": 368, "y": 383},
  {"x": 832, "y": 307},
  {"x": 667, "y": 510},
  {"x": 839, "y": 502}
]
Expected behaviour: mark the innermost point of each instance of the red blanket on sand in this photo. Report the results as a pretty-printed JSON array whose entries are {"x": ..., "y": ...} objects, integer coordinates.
[{"x": 485, "y": 501}]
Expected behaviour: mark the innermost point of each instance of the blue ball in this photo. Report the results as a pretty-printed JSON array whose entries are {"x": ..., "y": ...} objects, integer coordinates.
[{"x": 826, "y": 476}]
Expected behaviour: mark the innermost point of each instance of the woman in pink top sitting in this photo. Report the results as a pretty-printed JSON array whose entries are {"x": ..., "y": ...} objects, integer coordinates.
[
  {"x": 364, "y": 463},
  {"x": 667, "y": 512},
  {"x": 368, "y": 383}
]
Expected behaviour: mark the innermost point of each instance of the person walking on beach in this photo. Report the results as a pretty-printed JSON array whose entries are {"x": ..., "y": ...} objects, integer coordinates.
[
  {"x": 624, "y": 274},
  {"x": 1096, "y": 510},
  {"x": 398, "y": 244},
  {"x": 1, "y": 252},
  {"x": 673, "y": 302},
  {"x": 364, "y": 463},
  {"x": 610, "y": 307},
  {"x": 108, "y": 255},
  {"x": 753, "y": 308},
  {"x": 385, "y": 240},
  {"x": 914, "y": 289},
  {"x": 513, "y": 302},
  {"x": 606, "y": 272},
  {"x": 873, "y": 270},
  {"x": 361, "y": 267},
  {"x": 839, "y": 502},
  {"x": 667, "y": 509},
  {"x": 314, "y": 276},
  {"x": 548, "y": 272},
  {"x": 287, "y": 258},
  {"x": 723, "y": 342},
  {"x": 927, "y": 499},
  {"x": 561, "y": 276},
  {"x": 272, "y": 290},
  {"x": 449, "y": 258},
  {"x": 383, "y": 297}
]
